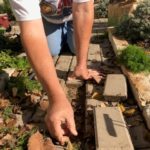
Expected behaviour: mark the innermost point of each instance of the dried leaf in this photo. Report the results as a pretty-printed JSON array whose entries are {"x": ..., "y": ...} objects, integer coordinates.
[
  {"x": 122, "y": 107},
  {"x": 8, "y": 137},
  {"x": 36, "y": 142},
  {"x": 96, "y": 95},
  {"x": 4, "y": 103},
  {"x": 97, "y": 78},
  {"x": 44, "y": 105},
  {"x": 129, "y": 112},
  {"x": 34, "y": 98}
]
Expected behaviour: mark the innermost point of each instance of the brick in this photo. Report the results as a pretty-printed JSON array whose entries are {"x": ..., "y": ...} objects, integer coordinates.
[
  {"x": 115, "y": 87},
  {"x": 110, "y": 130},
  {"x": 91, "y": 103},
  {"x": 62, "y": 66}
]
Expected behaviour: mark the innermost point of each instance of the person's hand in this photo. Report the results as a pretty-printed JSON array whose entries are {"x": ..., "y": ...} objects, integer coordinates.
[
  {"x": 83, "y": 73},
  {"x": 60, "y": 119}
]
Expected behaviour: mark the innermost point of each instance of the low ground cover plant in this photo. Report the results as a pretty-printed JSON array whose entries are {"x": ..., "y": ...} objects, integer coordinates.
[{"x": 135, "y": 59}]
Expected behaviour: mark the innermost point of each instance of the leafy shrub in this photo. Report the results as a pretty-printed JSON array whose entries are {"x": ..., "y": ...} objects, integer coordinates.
[
  {"x": 102, "y": 9},
  {"x": 137, "y": 27},
  {"x": 8, "y": 60},
  {"x": 23, "y": 84},
  {"x": 135, "y": 59}
]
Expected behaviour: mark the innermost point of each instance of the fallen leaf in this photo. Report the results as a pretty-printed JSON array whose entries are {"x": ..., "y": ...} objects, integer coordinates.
[
  {"x": 129, "y": 112},
  {"x": 44, "y": 105},
  {"x": 122, "y": 107},
  {"x": 8, "y": 137},
  {"x": 36, "y": 142},
  {"x": 96, "y": 95},
  {"x": 97, "y": 78},
  {"x": 34, "y": 98},
  {"x": 4, "y": 103}
]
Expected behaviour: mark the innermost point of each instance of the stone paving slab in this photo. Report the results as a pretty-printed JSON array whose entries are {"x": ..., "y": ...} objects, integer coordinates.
[
  {"x": 62, "y": 66},
  {"x": 110, "y": 130},
  {"x": 115, "y": 87}
]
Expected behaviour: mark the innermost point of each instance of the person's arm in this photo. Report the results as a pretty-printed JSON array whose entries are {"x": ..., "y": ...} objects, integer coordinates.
[
  {"x": 83, "y": 14},
  {"x": 35, "y": 43}
]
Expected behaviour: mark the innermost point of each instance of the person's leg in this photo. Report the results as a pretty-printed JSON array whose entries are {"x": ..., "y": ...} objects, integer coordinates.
[
  {"x": 54, "y": 37},
  {"x": 70, "y": 37}
]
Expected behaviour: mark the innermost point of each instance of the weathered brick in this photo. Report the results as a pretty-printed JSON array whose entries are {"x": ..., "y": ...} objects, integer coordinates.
[
  {"x": 115, "y": 87},
  {"x": 110, "y": 130}
]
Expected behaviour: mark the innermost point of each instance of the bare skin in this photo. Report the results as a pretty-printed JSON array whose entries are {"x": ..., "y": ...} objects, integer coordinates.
[
  {"x": 83, "y": 14},
  {"x": 34, "y": 41}
]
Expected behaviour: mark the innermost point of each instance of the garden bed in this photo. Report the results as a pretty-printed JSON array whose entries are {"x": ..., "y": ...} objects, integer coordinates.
[{"x": 140, "y": 82}]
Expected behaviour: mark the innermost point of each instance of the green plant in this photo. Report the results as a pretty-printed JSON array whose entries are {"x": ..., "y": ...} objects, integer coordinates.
[
  {"x": 101, "y": 11},
  {"x": 23, "y": 84},
  {"x": 137, "y": 27},
  {"x": 9, "y": 60},
  {"x": 7, "y": 113},
  {"x": 135, "y": 59}
]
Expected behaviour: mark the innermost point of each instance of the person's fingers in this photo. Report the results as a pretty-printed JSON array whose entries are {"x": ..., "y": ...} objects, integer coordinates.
[{"x": 71, "y": 126}]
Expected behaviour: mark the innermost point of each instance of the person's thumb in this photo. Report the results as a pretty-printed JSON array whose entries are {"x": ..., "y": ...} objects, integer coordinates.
[{"x": 71, "y": 126}]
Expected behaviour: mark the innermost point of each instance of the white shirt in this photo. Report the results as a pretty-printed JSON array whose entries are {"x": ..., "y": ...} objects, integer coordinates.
[{"x": 25, "y": 10}]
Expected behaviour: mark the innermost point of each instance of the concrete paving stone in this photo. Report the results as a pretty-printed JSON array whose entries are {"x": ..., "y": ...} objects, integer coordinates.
[
  {"x": 74, "y": 83},
  {"x": 62, "y": 66},
  {"x": 111, "y": 132},
  {"x": 115, "y": 87},
  {"x": 91, "y": 103},
  {"x": 146, "y": 114}
]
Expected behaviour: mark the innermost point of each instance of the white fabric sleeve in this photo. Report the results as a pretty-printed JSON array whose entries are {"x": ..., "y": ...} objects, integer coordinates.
[
  {"x": 25, "y": 10},
  {"x": 80, "y": 1}
]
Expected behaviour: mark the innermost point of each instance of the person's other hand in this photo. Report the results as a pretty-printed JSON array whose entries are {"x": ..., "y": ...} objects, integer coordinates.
[
  {"x": 60, "y": 119},
  {"x": 83, "y": 73}
]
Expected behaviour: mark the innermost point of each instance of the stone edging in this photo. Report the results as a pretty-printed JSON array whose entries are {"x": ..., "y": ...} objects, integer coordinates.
[{"x": 140, "y": 83}]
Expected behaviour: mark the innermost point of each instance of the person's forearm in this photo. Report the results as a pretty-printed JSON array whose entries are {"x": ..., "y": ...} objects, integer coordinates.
[
  {"x": 35, "y": 44},
  {"x": 83, "y": 14}
]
